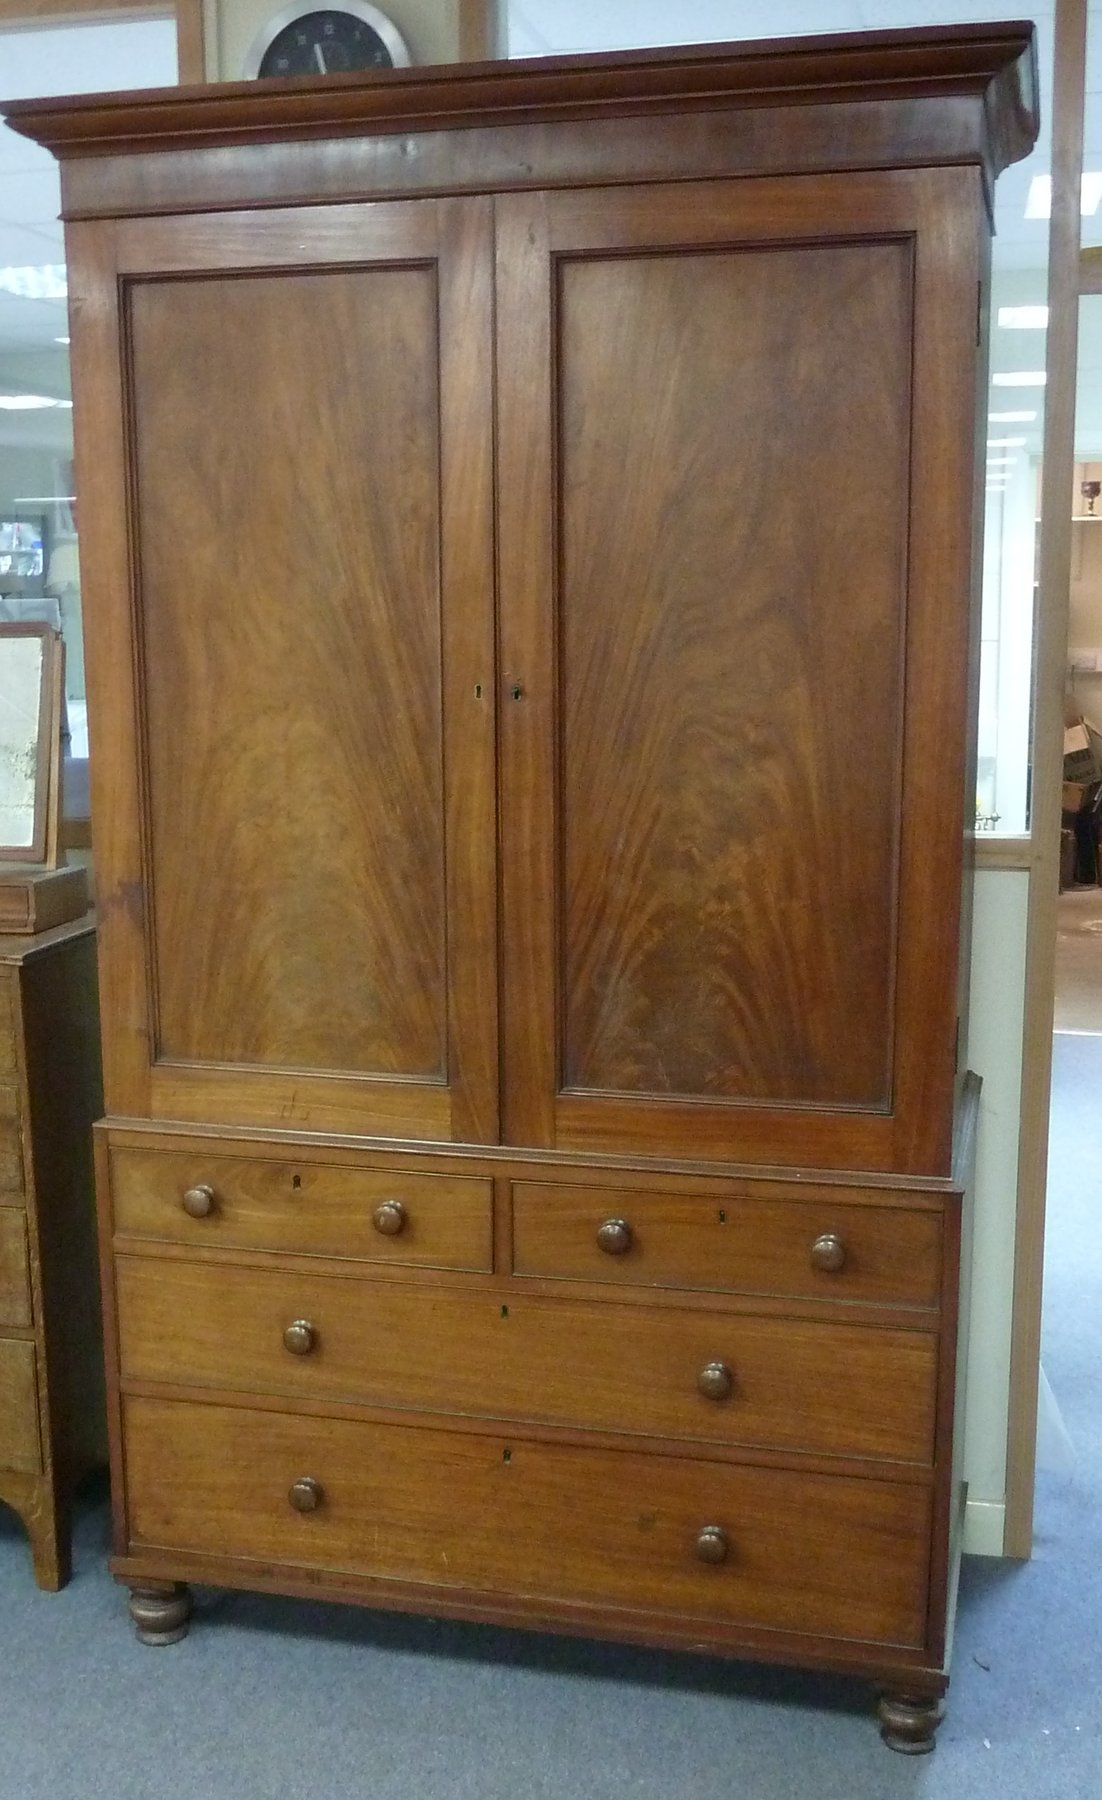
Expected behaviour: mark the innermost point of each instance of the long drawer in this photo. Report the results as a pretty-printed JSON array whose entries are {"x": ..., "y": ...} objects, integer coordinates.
[
  {"x": 19, "y": 1441},
  {"x": 819, "y": 1247},
  {"x": 831, "y": 1389},
  {"x": 15, "y": 1280},
  {"x": 814, "y": 1554},
  {"x": 316, "y": 1209}
]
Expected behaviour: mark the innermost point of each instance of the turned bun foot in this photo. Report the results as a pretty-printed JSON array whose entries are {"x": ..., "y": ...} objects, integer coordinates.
[
  {"x": 161, "y": 1615},
  {"x": 908, "y": 1722}
]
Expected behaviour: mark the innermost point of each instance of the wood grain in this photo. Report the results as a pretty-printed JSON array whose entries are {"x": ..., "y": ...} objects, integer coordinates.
[
  {"x": 612, "y": 1530},
  {"x": 728, "y": 1244},
  {"x": 293, "y": 667},
  {"x": 20, "y": 1449},
  {"x": 15, "y": 1279},
  {"x": 609, "y": 1369},
  {"x": 730, "y": 671},
  {"x": 392, "y": 758},
  {"x": 317, "y": 1209},
  {"x": 646, "y": 982}
]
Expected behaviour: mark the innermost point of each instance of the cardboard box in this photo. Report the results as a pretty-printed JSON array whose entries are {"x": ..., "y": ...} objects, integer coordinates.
[{"x": 1082, "y": 753}]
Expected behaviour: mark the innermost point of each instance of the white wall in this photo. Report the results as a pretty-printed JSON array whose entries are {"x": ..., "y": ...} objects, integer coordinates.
[{"x": 995, "y": 1053}]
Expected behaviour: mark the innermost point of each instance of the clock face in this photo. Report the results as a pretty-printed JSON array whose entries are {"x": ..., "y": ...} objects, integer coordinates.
[{"x": 307, "y": 40}]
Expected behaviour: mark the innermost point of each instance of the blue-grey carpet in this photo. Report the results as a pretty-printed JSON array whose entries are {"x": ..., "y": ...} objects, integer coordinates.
[{"x": 279, "y": 1700}]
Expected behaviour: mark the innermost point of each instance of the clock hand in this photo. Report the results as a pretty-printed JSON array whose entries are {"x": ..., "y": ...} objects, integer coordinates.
[{"x": 319, "y": 58}]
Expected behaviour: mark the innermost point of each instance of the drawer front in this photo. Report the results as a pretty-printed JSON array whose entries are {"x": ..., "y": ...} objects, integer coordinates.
[
  {"x": 11, "y": 1146},
  {"x": 19, "y": 1442},
  {"x": 9, "y": 1040},
  {"x": 887, "y": 1255},
  {"x": 793, "y": 1385},
  {"x": 15, "y": 1277},
  {"x": 602, "y": 1528},
  {"x": 316, "y": 1209}
]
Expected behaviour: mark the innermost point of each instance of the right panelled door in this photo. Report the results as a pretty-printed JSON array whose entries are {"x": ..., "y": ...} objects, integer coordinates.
[{"x": 735, "y": 583}]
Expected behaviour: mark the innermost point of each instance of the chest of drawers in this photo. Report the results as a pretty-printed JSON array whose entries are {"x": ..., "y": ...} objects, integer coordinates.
[
  {"x": 706, "y": 1408},
  {"x": 51, "y": 1364}
]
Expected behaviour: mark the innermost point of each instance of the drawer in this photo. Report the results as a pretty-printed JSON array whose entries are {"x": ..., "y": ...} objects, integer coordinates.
[
  {"x": 11, "y": 1145},
  {"x": 889, "y": 1255},
  {"x": 15, "y": 1277},
  {"x": 9, "y": 1043},
  {"x": 492, "y": 1517},
  {"x": 830, "y": 1389},
  {"x": 316, "y": 1209},
  {"x": 19, "y": 1442}
]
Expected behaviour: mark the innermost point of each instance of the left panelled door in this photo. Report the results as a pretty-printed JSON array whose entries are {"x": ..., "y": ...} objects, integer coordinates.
[{"x": 291, "y": 662}]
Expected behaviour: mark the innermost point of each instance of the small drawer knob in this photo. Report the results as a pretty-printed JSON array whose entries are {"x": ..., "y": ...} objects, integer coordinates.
[
  {"x": 615, "y": 1237},
  {"x": 198, "y": 1201},
  {"x": 306, "y": 1494},
  {"x": 828, "y": 1253},
  {"x": 390, "y": 1218},
  {"x": 711, "y": 1544},
  {"x": 715, "y": 1381},
  {"x": 300, "y": 1337}
]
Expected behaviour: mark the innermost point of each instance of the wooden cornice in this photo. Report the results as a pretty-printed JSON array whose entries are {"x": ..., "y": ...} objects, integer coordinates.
[{"x": 994, "y": 64}]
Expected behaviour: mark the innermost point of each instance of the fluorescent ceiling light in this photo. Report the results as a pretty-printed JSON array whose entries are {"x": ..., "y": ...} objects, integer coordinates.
[
  {"x": 1005, "y": 443},
  {"x": 43, "y": 499},
  {"x": 997, "y": 463},
  {"x": 46, "y": 283},
  {"x": 27, "y": 402},
  {"x": 1010, "y": 418},
  {"x": 1020, "y": 378},
  {"x": 1023, "y": 318},
  {"x": 1039, "y": 201},
  {"x": 63, "y": 340}
]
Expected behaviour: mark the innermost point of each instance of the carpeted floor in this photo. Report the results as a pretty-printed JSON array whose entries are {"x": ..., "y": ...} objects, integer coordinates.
[
  {"x": 1079, "y": 960},
  {"x": 274, "y": 1700}
]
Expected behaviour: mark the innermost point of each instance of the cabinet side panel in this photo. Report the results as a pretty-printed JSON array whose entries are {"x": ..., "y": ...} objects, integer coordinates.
[
  {"x": 286, "y": 443},
  {"x": 732, "y": 503}
]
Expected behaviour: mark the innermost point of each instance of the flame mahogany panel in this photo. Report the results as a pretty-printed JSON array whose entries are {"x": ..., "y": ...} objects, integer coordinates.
[{"x": 733, "y": 568}]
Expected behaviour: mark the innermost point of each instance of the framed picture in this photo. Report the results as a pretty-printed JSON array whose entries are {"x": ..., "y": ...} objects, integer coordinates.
[{"x": 31, "y": 688}]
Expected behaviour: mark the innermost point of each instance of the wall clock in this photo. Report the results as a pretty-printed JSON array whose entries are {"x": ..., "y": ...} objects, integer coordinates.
[{"x": 307, "y": 39}]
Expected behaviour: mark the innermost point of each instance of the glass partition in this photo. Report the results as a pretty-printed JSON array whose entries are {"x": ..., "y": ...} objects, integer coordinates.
[{"x": 39, "y": 517}]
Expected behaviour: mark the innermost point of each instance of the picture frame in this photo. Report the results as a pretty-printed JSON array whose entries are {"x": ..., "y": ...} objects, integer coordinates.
[{"x": 32, "y": 670}]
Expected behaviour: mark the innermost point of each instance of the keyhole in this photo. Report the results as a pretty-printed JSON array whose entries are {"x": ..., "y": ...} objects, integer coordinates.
[
  {"x": 478, "y": 690},
  {"x": 296, "y": 1181},
  {"x": 517, "y": 691}
]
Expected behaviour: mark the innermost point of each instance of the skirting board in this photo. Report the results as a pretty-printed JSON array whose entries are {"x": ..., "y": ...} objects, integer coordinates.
[{"x": 984, "y": 1525}]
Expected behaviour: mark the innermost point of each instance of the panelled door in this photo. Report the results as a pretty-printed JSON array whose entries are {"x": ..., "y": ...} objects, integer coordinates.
[
  {"x": 736, "y": 450},
  {"x": 292, "y": 679}
]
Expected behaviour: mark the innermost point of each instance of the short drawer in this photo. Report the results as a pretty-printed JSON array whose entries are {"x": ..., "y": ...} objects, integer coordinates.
[
  {"x": 489, "y": 1516},
  {"x": 819, "y": 1247},
  {"x": 790, "y": 1385},
  {"x": 316, "y": 1209},
  {"x": 15, "y": 1277},
  {"x": 11, "y": 1146},
  {"x": 19, "y": 1440},
  {"x": 9, "y": 1039}
]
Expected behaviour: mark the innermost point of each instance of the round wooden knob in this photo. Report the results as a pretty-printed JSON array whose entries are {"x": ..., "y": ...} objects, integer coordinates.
[
  {"x": 711, "y": 1544},
  {"x": 828, "y": 1253},
  {"x": 300, "y": 1337},
  {"x": 615, "y": 1237},
  {"x": 715, "y": 1381},
  {"x": 306, "y": 1494},
  {"x": 390, "y": 1218},
  {"x": 198, "y": 1201}
]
